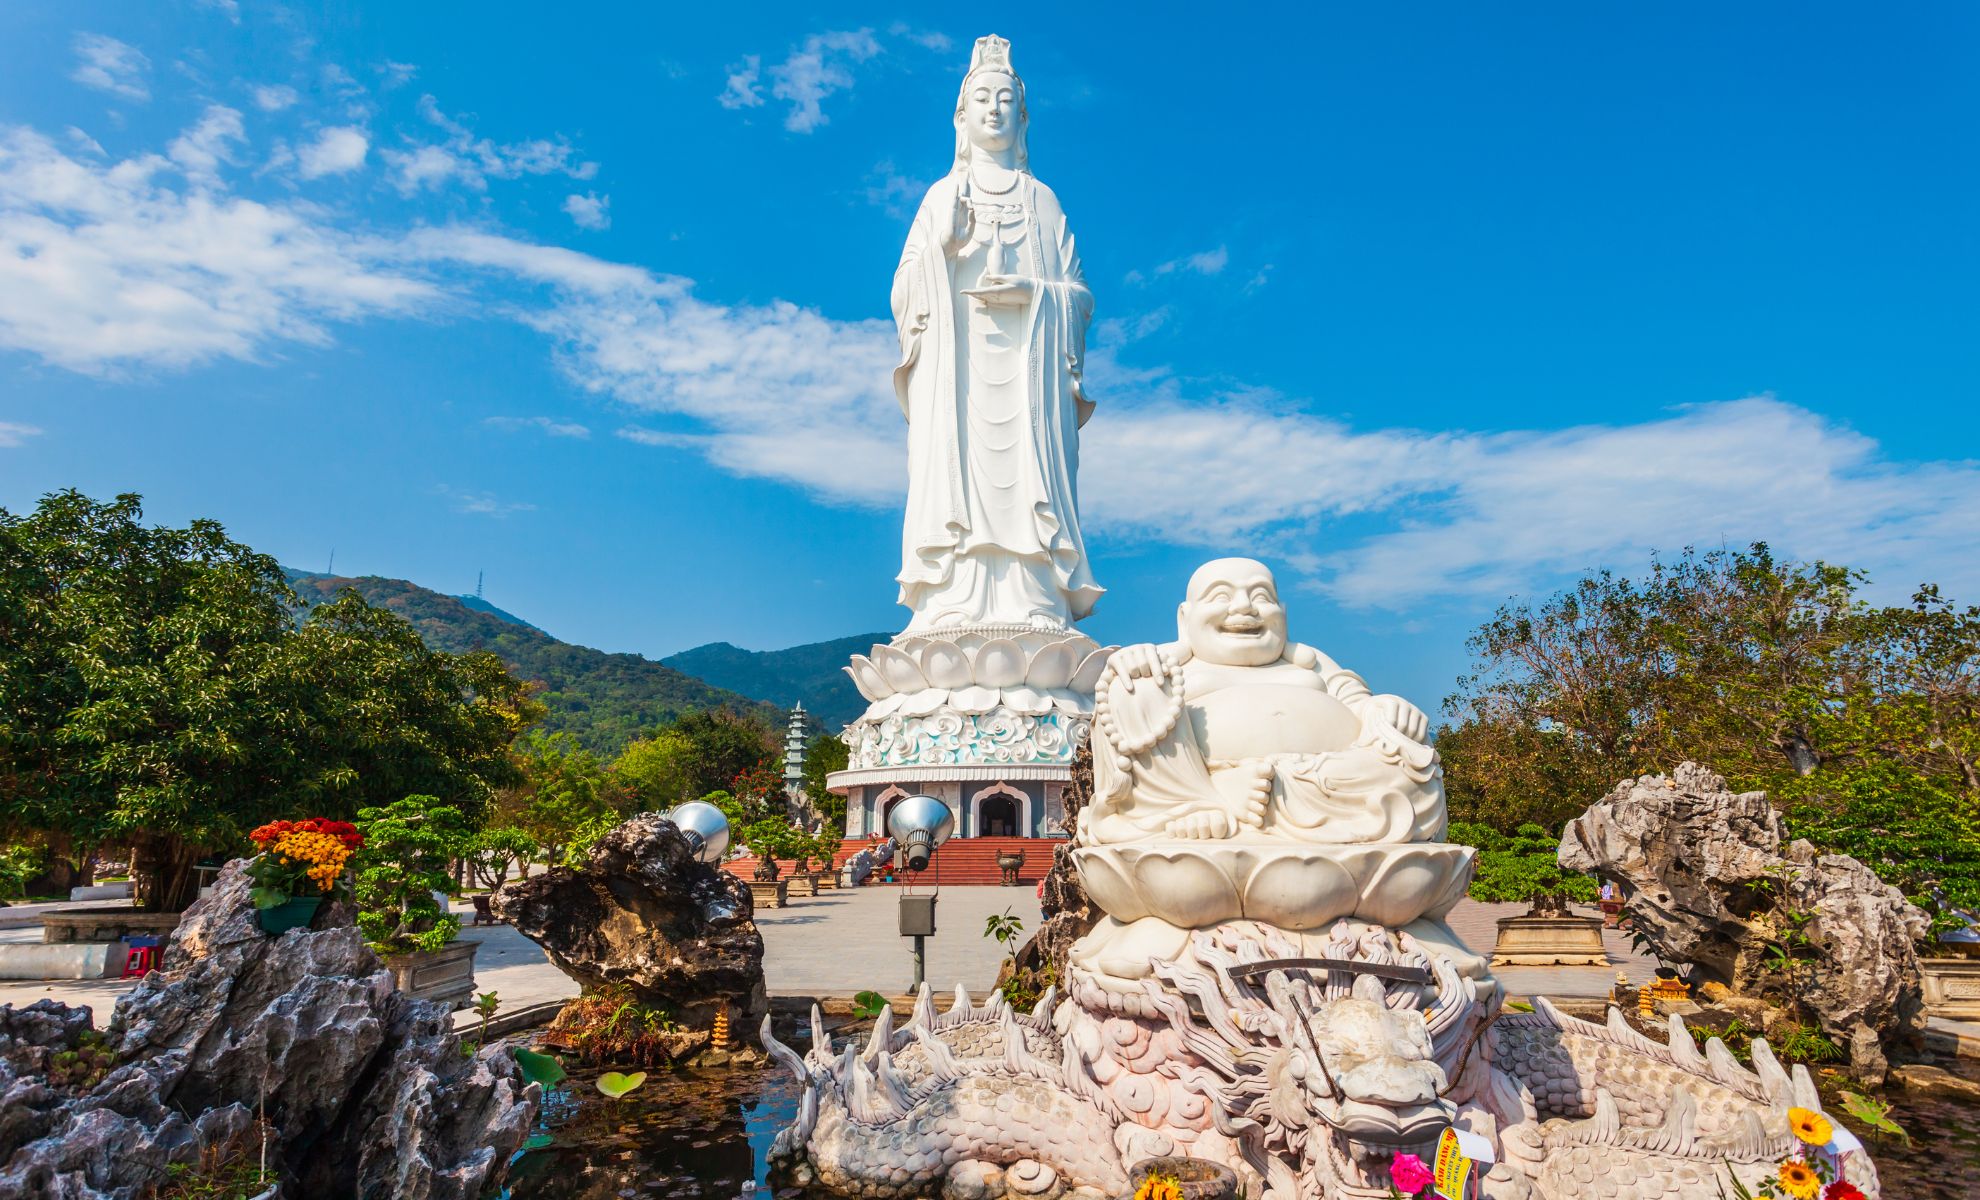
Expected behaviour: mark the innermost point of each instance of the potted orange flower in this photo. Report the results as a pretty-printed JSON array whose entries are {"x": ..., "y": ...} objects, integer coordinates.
[{"x": 301, "y": 864}]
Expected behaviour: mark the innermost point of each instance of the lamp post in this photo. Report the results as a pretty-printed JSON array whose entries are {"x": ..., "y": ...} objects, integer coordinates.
[
  {"x": 705, "y": 828},
  {"x": 919, "y": 825}
]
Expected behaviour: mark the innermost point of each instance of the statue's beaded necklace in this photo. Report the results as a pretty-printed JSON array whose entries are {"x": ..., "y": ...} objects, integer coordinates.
[{"x": 1103, "y": 710}]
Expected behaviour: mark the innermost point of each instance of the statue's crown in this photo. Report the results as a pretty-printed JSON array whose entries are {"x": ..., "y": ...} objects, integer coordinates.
[{"x": 991, "y": 54}]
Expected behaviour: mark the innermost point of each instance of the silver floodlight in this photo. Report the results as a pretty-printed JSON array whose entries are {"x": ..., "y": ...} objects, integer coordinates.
[
  {"x": 706, "y": 829},
  {"x": 920, "y": 824}
]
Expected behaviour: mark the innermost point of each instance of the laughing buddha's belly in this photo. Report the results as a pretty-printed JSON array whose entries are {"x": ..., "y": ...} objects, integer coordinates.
[{"x": 1262, "y": 719}]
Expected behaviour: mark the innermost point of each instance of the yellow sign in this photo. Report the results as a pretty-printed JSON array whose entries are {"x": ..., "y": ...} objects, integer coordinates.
[{"x": 1457, "y": 1153}]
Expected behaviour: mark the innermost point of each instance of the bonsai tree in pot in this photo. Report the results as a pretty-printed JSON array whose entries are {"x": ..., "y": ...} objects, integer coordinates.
[{"x": 402, "y": 881}]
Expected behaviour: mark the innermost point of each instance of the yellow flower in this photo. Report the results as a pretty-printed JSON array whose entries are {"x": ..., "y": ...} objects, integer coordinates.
[
  {"x": 1811, "y": 1127},
  {"x": 1158, "y": 1187},
  {"x": 1799, "y": 1180}
]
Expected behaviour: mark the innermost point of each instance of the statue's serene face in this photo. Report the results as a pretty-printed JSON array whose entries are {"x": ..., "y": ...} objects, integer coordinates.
[
  {"x": 1232, "y": 615},
  {"x": 990, "y": 110}
]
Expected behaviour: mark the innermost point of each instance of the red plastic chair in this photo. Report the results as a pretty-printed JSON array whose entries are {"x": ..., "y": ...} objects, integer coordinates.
[{"x": 142, "y": 957}]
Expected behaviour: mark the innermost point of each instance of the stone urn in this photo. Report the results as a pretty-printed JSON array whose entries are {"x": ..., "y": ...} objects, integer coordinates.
[
  {"x": 1010, "y": 864},
  {"x": 1197, "y": 1178}
]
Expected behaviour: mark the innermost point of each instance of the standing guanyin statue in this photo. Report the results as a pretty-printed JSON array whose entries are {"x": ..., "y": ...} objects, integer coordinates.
[{"x": 992, "y": 312}]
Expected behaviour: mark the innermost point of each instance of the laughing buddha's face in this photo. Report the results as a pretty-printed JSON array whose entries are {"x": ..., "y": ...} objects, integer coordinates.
[{"x": 1233, "y": 614}]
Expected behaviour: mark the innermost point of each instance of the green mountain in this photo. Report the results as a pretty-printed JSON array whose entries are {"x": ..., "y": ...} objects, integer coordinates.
[
  {"x": 814, "y": 674},
  {"x": 603, "y": 700}
]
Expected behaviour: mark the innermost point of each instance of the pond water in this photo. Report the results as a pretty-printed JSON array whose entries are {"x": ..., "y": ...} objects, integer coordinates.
[{"x": 703, "y": 1135}]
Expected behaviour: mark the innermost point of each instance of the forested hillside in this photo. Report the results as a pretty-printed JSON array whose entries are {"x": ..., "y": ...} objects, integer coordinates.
[
  {"x": 603, "y": 700},
  {"x": 814, "y": 674}
]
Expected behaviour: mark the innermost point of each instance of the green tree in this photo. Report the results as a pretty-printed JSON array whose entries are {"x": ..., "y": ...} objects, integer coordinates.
[
  {"x": 155, "y": 690},
  {"x": 658, "y": 771},
  {"x": 408, "y": 845},
  {"x": 1517, "y": 867},
  {"x": 824, "y": 754},
  {"x": 565, "y": 792},
  {"x": 1862, "y": 723}
]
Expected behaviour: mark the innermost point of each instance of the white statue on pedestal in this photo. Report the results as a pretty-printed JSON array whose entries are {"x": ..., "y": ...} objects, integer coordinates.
[{"x": 992, "y": 311}]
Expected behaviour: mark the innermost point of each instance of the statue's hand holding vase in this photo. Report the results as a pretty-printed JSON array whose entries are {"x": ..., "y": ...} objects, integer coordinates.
[{"x": 1004, "y": 291}]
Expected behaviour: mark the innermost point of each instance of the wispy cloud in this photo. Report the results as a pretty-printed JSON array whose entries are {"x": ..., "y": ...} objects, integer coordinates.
[
  {"x": 480, "y": 504},
  {"x": 336, "y": 150},
  {"x": 108, "y": 65},
  {"x": 549, "y": 425},
  {"x": 589, "y": 211},
  {"x": 153, "y": 261},
  {"x": 898, "y": 194},
  {"x": 230, "y": 9},
  {"x": 741, "y": 89},
  {"x": 273, "y": 97},
  {"x": 927, "y": 39},
  {"x": 395, "y": 74},
  {"x": 1205, "y": 263},
  {"x": 816, "y": 69},
  {"x": 469, "y": 160},
  {"x": 14, "y": 434},
  {"x": 107, "y": 266}
]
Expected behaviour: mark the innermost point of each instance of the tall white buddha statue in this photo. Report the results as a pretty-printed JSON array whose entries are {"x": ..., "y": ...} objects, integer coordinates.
[{"x": 992, "y": 311}]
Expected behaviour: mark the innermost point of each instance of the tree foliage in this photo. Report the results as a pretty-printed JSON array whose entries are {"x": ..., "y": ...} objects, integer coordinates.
[
  {"x": 1862, "y": 722},
  {"x": 155, "y": 689},
  {"x": 1517, "y": 867},
  {"x": 408, "y": 845}
]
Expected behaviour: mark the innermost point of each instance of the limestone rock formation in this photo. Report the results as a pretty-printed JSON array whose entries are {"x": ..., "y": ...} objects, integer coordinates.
[
  {"x": 1709, "y": 877},
  {"x": 1068, "y": 913},
  {"x": 366, "y": 1088},
  {"x": 642, "y": 913}
]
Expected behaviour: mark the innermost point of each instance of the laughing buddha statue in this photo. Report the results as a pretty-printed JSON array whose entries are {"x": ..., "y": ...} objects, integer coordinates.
[{"x": 1234, "y": 732}]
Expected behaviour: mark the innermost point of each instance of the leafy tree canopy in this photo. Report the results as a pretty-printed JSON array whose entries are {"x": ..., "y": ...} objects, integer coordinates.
[
  {"x": 1862, "y": 722},
  {"x": 155, "y": 689}
]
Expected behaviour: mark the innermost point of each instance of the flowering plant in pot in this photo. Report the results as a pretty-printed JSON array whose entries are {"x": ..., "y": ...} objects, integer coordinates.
[{"x": 300, "y": 865}]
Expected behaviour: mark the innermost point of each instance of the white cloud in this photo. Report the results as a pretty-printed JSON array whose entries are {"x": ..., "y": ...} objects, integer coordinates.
[
  {"x": 108, "y": 265},
  {"x": 822, "y": 66},
  {"x": 395, "y": 74},
  {"x": 108, "y": 65},
  {"x": 590, "y": 211},
  {"x": 230, "y": 9},
  {"x": 273, "y": 97},
  {"x": 480, "y": 504},
  {"x": 1205, "y": 263},
  {"x": 898, "y": 194},
  {"x": 336, "y": 150},
  {"x": 813, "y": 71},
  {"x": 471, "y": 160},
  {"x": 86, "y": 142},
  {"x": 342, "y": 82},
  {"x": 549, "y": 425},
  {"x": 927, "y": 39},
  {"x": 14, "y": 434},
  {"x": 208, "y": 142},
  {"x": 741, "y": 90},
  {"x": 104, "y": 267}
]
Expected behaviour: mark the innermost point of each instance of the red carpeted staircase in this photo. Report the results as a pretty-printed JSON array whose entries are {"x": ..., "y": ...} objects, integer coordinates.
[{"x": 960, "y": 862}]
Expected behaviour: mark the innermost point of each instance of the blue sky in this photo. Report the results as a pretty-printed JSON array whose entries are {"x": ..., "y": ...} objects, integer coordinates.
[{"x": 1429, "y": 305}]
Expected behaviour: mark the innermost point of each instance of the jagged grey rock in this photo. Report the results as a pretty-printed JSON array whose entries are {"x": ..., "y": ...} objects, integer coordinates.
[
  {"x": 1068, "y": 913},
  {"x": 643, "y": 913},
  {"x": 1708, "y": 876},
  {"x": 305, "y": 1028}
]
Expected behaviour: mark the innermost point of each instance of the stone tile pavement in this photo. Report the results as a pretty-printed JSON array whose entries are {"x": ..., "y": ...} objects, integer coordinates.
[{"x": 846, "y": 941}]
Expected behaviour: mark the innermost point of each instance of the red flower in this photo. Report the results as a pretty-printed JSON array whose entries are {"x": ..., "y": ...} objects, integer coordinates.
[
  {"x": 1842, "y": 1189},
  {"x": 270, "y": 832}
]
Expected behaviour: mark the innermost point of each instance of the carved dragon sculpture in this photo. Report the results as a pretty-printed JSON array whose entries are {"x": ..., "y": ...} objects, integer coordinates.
[{"x": 1303, "y": 1078}]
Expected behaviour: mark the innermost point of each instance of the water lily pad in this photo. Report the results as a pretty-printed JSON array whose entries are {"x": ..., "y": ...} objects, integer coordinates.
[
  {"x": 616, "y": 1085},
  {"x": 868, "y": 1004},
  {"x": 537, "y": 1141},
  {"x": 539, "y": 1068}
]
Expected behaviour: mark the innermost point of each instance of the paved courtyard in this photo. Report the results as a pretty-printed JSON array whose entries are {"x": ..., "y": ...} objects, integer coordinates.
[{"x": 843, "y": 942}]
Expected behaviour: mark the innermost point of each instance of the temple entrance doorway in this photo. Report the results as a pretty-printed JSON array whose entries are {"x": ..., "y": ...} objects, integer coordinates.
[{"x": 997, "y": 816}]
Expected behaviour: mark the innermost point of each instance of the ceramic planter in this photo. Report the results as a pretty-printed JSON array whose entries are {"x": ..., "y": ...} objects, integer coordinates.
[{"x": 294, "y": 913}]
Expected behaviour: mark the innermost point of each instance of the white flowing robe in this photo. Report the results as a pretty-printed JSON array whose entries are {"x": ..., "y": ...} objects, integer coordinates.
[{"x": 958, "y": 559}]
